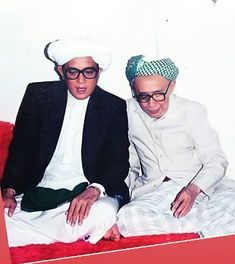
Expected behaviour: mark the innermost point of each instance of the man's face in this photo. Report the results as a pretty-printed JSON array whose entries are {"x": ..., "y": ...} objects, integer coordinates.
[
  {"x": 154, "y": 84},
  {"x": 81, "y": 87}
]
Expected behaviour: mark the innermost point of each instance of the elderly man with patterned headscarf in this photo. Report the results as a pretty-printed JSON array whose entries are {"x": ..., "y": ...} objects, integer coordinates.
[
  {"x": 176, "y": 163},
  {"x": 64, "y": 179}
]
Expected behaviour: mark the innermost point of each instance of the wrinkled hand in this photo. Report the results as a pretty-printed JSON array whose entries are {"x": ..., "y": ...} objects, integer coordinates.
[
  {"x": 80, "y": 206},
  {"x": 185, "y": 200},
  {"x": 9, "y": 201}
]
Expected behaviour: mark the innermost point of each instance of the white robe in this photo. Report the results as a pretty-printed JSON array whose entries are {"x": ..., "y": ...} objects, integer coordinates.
[{"x": 182, "y": 146}]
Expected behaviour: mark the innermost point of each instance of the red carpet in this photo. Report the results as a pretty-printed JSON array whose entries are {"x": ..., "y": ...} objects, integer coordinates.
[{"x": 31, "y": 253}]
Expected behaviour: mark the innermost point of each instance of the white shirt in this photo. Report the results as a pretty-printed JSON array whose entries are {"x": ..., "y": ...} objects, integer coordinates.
[
  {"x": 65, "y": 168},
  {"x": 180, "y": 145}
]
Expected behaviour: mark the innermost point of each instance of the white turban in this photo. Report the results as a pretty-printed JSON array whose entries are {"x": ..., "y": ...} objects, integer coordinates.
[{"x": 62, "y": 51}]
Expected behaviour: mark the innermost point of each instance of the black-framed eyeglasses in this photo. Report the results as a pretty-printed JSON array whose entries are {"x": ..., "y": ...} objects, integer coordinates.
[
  {"x": 72, "y": 73},
  {"x": 156, "y": 96}
]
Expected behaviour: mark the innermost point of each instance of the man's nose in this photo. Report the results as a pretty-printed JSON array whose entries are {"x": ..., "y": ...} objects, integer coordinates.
[
  {"x": 81, "y": 78},
  {"x": 152, "y": 102}
]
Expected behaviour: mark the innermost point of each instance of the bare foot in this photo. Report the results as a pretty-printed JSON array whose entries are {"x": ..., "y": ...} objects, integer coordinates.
[{"x": 113, "y": 233}]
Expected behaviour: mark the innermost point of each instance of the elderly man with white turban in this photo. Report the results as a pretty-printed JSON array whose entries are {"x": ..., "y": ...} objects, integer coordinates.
[
  {"x": 64, "y": 179},
  {"x": 176, "y": 163}
]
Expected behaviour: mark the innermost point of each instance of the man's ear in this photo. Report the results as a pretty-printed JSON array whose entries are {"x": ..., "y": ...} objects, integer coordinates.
[
  {"x": 59, "y": 70},
  {"x": 172, "y": 86},
  {"x": 100, "y": 70}
]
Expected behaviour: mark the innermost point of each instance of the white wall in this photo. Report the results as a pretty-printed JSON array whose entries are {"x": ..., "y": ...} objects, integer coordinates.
[{"x": 198, "y": 35}]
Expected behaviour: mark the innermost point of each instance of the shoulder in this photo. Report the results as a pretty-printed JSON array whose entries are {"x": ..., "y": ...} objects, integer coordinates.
[
  {"x": 107, "y": 100},
  {"x": 107, "y": 95},
  {"x": 46, "y": 90},
  {"x": 45, "y": 86},
  {"x": 189, "y": 107}
]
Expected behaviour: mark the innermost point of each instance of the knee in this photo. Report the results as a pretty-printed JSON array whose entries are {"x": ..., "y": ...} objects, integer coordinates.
[
  {"x": 106, "y": 205},
  {"x": 126, "y": 208}
]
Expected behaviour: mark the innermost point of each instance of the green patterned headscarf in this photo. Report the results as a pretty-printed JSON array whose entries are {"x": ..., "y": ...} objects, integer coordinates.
[{"x": 137, "y": 66}]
